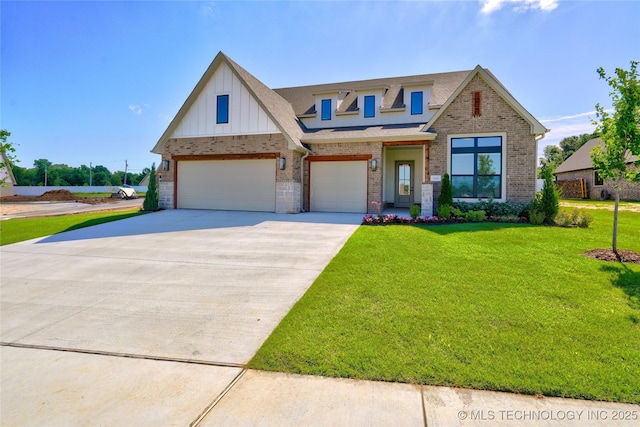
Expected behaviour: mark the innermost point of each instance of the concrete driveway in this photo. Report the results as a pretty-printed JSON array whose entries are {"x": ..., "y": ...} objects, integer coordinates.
[{"x": 146, "y": 321}]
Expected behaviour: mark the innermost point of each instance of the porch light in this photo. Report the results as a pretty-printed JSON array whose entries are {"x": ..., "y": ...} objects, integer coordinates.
[
  {"x": 165, "y": 165},
  {"x": 374, "y": 164},
  {"x": 282, "y": 161}
]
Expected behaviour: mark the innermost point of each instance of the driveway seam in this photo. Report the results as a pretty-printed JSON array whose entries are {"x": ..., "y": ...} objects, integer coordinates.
[
  {"x": 208, "y": 409},
  {"x": 125, "y": 355}
]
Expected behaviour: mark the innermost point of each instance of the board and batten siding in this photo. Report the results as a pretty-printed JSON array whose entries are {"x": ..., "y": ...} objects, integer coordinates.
[{"x": 245, "y": 114}]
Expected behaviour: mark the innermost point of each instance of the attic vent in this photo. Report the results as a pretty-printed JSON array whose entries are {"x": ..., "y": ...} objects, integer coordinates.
[{"x": 477, "y": 104}]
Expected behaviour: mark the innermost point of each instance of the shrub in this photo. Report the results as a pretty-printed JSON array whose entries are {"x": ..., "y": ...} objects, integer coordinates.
[
  {"x": 536, "y": 217},
  {"x": 446, "y": 192},
  {"x": 151, "y": 197},
  {"x": 444, "y": 211},
  {"x": 414, "y": 211},
  {"x": 496, "y": 209},
  {"x": 549, "y": 197},
  {"x": 573, "y": 219},
  {"x": 475, "y": 216}
]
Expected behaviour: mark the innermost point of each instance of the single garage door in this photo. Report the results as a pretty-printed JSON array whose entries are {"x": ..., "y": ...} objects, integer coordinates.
[
  {"x": 234, "y": 185},
  {"x": 339, "y": 186}
]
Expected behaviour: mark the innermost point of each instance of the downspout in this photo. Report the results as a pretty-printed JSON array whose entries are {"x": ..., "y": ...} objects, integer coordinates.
[{"x": 306, "y": 154}]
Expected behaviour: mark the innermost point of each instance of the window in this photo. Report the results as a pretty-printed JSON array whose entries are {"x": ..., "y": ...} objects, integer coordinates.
[
  {"x": 416, "y": 103},
  {"x": 325, "y": 109},
  {"x": 597, "y": 179},
  {"x": 476, "y": 167},
  {"x": 369, "y": 106},
  {"x": 222, "y": 109},
  {"x": 477, "y": 104}
]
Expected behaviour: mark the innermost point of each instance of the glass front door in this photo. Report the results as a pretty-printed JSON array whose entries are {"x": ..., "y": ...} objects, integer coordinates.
[{"x": 404, "y": 184}]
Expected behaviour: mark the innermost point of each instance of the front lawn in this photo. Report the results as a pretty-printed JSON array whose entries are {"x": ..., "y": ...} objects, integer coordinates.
[
  {"x": 20, "y": 229},
  {"x": 509, "y": 307}
]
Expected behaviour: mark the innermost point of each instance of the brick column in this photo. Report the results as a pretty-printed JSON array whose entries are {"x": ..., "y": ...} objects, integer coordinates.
[
  {"x": 165, "y": 196},
  {"x": 288, "y": 197}
]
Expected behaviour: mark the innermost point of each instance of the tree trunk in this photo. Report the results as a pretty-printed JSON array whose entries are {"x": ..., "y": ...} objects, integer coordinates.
[{"x": 614, "y": 242}]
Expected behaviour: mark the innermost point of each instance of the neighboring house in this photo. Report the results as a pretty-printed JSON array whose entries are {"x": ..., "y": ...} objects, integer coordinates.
[
  {"x": 6, "y": 176},
  {"x": 356, "y": 146},
  {"x": 579, "y": 166}
]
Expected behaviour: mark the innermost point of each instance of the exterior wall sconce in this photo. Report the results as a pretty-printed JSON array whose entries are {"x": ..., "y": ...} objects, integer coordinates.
[
  {"x": 282, "y": 162},
  {"x": 374, "y": 164},
  {"x": 165, "y": 165}
]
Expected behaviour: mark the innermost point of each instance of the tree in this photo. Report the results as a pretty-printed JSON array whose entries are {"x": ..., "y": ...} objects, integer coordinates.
[
  {"x": 620, "y": 133},
  {"x": 553, "y": 157},
  {"x": 446, "y": 192},
  {"x": 549, "y": 203},
  {"x": 151, "y": 198},
  {"x": 7, "y": 149}
]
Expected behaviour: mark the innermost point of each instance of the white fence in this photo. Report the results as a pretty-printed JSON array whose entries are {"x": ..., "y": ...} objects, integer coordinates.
[{"x": 39, "y": 191}]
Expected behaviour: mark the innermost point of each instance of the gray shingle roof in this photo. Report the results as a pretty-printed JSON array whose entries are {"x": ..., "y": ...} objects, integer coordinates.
[
  {"x": 368, "y": 133},
  {"x": 581, "y": 159}
]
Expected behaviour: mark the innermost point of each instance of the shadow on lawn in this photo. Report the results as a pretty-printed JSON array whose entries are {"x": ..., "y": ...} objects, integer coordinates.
[
  {"x": 469, "y": 227},
  {"x": 627, "y": 280}
]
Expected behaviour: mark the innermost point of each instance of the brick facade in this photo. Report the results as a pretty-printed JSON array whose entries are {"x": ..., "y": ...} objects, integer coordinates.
[
  {"x": 629, "y": 191},
  {"x": 497, "y": 117},
  {"x": 287, "y": 180}
]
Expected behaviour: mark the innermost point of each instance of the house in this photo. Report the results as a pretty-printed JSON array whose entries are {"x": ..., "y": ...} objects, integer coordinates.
[
  {"x": 578, "y": 179},
  {"x": 6, "y": 178},
  {"x": 357, "y": 146}
]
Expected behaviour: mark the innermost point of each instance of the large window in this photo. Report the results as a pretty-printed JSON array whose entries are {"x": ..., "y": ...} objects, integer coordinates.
[
  {"x": 222, "y": 109},
  {"x": 369, "y": 106},
  {"x": 416, "y": 103},
  {"x": 325, "y": 109},
  {"x": 476, "y": 167}
]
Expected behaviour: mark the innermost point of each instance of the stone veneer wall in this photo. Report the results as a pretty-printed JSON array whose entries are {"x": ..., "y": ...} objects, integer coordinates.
[
  {"x": 497, "y": 116},
  {"x": 374, "y": 178},
  {"x": 286, "y": 198}
]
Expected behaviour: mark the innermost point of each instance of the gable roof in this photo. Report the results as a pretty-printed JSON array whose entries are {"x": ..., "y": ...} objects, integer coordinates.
[
  {"x": 277, "y": 108},
  {"x": 581, "y": 159},
  {"x": 536, "y": 127},
  {"x": 7, "y": 171}
]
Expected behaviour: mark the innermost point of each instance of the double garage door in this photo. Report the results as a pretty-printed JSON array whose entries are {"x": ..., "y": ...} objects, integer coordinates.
[
  {"x": 233, "y": 185},
  {"x": 250, "y": 185}
]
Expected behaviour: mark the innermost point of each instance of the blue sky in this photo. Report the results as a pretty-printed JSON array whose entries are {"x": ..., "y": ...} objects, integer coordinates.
[{"x": 91, "y": 81}]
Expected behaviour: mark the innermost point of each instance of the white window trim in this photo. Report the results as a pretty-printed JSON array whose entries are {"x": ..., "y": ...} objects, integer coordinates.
[{"x": 505, "y": 177}]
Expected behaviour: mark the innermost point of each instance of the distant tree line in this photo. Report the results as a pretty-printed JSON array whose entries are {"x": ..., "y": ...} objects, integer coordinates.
[{"x": 63, "y": 175}]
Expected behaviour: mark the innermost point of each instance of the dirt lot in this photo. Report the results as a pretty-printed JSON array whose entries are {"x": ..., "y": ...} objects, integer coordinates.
[
  {"x": 17, "y": 205},
  {"x": 624, "y": 206}
]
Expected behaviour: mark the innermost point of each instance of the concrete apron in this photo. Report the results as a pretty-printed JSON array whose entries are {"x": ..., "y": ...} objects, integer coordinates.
[{"x": 146, "y": 321}]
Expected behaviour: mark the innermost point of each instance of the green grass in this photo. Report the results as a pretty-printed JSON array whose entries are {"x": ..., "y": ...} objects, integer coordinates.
[
  {"x": 508, "y": 307},
  {"x": 20, "y": 229}
]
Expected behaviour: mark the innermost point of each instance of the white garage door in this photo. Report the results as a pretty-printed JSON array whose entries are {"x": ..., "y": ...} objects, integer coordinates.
[
  {"x": 339, "y": 186},
  {"x": 247, "y": 185}
]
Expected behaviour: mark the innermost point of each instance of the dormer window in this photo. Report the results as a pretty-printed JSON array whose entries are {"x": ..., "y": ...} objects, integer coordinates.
[
  {"x": 370, "y": 106},
  {"x": 416, "y": 103},
  {"x": 325, "y": 109}
]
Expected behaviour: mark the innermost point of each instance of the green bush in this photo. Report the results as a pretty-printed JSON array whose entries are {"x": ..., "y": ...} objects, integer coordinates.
[
  {"x": 446, "y": 192},
  {"x": 574, "y": 218},
  {"x": 414, "y": 211},
  {"x": 536, "y": 217},
  {"x": 151, "y": 197},
  {"x": 549, "y": 201},
  {"x": 444, "y": 211},
  {"x": 475, "y": 216},
  {"x": 491, "y": 208}
]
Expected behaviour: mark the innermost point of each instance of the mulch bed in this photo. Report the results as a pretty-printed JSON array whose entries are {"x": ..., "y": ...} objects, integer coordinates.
[{"x": 609, "y": 255}]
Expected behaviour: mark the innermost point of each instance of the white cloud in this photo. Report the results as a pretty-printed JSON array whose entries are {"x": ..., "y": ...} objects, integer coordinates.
[
  {"x": 138, "y": 109},
  {"x": 490, "y": 6},
  {"x": 564, "y": 126}
]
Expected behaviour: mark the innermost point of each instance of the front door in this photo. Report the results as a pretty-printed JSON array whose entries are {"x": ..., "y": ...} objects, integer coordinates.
[{"x": 404, "y": 184}]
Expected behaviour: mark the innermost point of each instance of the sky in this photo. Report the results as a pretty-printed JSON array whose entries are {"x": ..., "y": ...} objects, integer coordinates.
[{"x": 97, "y": 82}]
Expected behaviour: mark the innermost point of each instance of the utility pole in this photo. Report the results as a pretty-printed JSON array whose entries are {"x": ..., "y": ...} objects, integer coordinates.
[
  {"x": 45, "y": 175},
  {"x": 90, "y": 172},
  {"x": 125, "y": 172}
]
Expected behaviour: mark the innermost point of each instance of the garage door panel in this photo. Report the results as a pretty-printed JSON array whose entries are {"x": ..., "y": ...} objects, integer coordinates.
[
  {"x": 339, "y": 186},
  {"x": 227, "y": 185}
]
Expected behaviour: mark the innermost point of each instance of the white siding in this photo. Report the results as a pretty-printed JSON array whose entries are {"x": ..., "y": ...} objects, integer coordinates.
[{"x": 245, "y": 114}]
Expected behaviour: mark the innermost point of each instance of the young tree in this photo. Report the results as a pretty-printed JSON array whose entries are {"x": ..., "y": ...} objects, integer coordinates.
[
  {"x": 620, "y": 133},
  {"x": 446, "y": 192},
  {"x": 151, "y": 198},
  {"x": 549, "y": 199}
]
